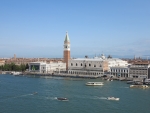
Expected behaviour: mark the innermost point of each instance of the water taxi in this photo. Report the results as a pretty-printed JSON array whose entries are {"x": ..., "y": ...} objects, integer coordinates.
[
  {"x": 112, "y": 98},
  {"x": 62, "y": 99},
  {"x": 139, "y": 86},
  {"x": 94, "y": 83}
]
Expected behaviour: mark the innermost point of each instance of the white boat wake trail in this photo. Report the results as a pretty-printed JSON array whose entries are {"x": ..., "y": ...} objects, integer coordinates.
[
  {"x": 96, "y": 97},
  {"x": 51, "y": 98}
]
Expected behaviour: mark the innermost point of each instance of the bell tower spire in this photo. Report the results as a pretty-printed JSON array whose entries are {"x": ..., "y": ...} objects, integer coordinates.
[{"x": 66, "y": 50}]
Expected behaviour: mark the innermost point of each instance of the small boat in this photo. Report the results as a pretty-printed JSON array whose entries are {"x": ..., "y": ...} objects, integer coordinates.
[
  {"x": 62, "y": 99},
  {"x": 109, "y": 79},
  {"x": 139, "y": 86},
  {"x": 130, "y": 82},
  {"x": 15, "y": 73},
  {"x": 94, "y": 83},
  {"x": 112, "y": 98}
]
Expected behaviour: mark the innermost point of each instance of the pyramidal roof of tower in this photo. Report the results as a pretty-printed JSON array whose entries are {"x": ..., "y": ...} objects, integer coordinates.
[{"x": 67, "y": 37}]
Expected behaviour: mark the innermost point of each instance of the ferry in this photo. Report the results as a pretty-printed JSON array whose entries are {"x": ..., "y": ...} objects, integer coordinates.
[
  {"x": 139, "y": 86},
  {"x": 94, "y": 83},
  {"x": 112, "y": 98}
]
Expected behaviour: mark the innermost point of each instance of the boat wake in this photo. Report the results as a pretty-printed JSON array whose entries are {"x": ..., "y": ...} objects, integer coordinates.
[
  {"x": 24, "y": 95},
  {"x": 126, "y": 87},
  {"x": 51, "y": 98},
  {"x": 123, "y": 87},
  {"x": 16, "y": 97},
  {"x": 96, "y": 97}
]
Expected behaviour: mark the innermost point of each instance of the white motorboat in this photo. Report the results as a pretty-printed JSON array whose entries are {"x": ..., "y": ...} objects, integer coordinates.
[
  {"x": 109, "y": 79},
  {"x": 112, "y": 98},
  {"x": 94, "y": 83},
  {"x": 15, "y": 73}
]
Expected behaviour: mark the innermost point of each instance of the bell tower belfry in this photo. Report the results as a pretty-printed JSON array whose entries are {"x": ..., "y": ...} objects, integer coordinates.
[{"x": 66, "y": 50}]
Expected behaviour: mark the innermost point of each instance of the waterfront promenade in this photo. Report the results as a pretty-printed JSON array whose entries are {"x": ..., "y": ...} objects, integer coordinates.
[{"x": 68, "y": 75}]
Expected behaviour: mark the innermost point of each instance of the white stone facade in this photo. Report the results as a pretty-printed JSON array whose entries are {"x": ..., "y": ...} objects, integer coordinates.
[
  {"x": 42, "y": 67},
  {"x": 115, "y": 62},
  {"x": 119, "y": 71},
  {"x": 86, "y": 66},
  {"x": 97, "y": 66}
]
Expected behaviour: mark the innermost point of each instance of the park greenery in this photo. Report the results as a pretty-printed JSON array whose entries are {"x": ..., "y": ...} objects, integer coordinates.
[{"x": 14, "y": 67}]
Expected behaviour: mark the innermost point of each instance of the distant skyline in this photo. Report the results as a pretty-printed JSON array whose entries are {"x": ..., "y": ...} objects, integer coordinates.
[{"x": 37, "y": 28}]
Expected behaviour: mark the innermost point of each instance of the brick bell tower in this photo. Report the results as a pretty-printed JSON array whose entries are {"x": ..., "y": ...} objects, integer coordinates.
[{"x": 66, "y": 50}]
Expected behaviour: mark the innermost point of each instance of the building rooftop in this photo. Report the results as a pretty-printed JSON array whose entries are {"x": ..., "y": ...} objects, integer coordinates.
[
  {"x": 119, "y": 67},
  {"x": 98, "y": 59},
  {"x": 88, "y": 59},
  {"x": 141, "y": 63}
]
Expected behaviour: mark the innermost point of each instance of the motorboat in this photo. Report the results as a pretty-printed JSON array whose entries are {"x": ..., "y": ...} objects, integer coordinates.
[
  {"x": 139, "y": 86},
  {"x": 130, "y": 82},
  {"x": 112, "y": 98},
  {"x": 94, "y": 83},
  {"x": 15, "y": 73},
  {"x": 62, "y": 99},
  {"x": 109, "y": 79}
]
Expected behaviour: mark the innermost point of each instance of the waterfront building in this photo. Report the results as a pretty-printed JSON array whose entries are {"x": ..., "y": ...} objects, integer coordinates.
[
  {"x": 116, "y": 62},
  {"x": 140, "y": 69},
  {"x": 66, "y": 50},
  {"x": 118, "y": 67},
  {"x": 97, "y": 66},
  {"x": 43, "y": 67},
  {"x": 119, "y": 71},
  {"x": 87, "y": 66}
]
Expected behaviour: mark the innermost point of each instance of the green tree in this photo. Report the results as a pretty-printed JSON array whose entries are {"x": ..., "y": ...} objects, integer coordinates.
[
  {"x": 23, "y": 67},
  {"x": 13, "y": 67},
  {"x": 27, "y": 66}
]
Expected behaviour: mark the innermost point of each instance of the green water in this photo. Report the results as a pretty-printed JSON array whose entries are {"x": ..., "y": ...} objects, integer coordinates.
[{"x": 16, "y": 96}]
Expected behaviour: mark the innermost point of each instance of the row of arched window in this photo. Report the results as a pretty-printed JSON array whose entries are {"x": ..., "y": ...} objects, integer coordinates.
[
  {"x": 85, "y": 65},
  {"x": 119, "y": 70},
  {"x": 121, "y": 75},
  {"x": 85, "y": 73}
]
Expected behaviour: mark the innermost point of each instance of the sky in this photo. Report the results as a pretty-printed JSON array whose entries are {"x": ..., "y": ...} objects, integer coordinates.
[{"x": 37, "y": 28}]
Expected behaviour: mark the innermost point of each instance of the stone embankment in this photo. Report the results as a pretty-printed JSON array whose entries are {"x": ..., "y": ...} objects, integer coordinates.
[{"x": 61, "y": 75}]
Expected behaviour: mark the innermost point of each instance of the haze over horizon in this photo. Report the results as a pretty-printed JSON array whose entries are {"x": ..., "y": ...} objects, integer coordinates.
[{"x": 36, "y": 28}]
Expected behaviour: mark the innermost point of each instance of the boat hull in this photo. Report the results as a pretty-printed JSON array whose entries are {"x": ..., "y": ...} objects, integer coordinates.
[
  {"x": 94, "y": 83},
  {"x": 112, "y": 98},
  {"x": 139, "y": 86},
  {"x": 62, "y": 99}
]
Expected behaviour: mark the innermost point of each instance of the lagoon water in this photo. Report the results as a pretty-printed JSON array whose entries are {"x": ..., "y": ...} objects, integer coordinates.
[{"x": 16, "y": 96}]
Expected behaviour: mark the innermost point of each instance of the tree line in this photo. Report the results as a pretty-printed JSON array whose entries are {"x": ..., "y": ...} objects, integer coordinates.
[{"x": 14, "y": 67}]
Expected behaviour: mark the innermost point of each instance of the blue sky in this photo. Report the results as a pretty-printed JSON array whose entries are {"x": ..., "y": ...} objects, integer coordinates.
[{"x": 37, "y": 28}]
